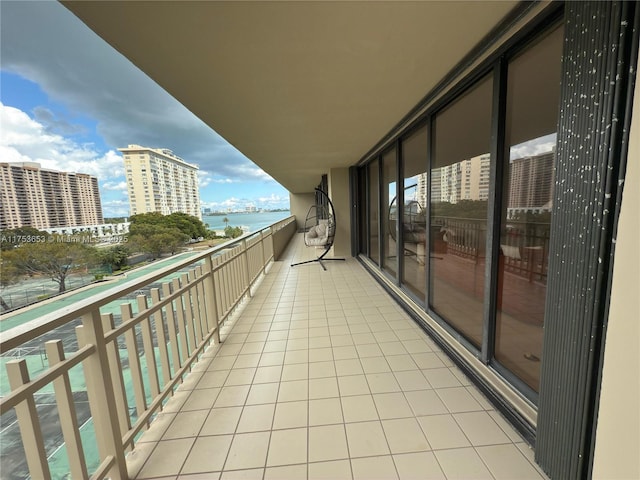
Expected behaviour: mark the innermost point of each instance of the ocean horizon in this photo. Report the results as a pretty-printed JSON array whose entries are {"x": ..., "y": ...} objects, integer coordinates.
[{"x": 250, "y": 221}]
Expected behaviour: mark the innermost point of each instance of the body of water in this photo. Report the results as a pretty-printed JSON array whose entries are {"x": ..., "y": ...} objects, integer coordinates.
[{"x": 250, "y": 222}]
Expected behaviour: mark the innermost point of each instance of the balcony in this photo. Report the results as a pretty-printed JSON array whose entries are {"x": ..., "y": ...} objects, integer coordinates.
[{"x": 281, "y": 373}]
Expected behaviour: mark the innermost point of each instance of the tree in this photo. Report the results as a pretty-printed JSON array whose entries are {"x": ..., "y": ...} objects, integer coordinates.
[
  {"x": 232, "y": 232},
  {"x": 55, "y": 259},
  {"x": 226, "y": 222},
  {"x": 9, "y": 275},
  {"x": 17, "y": 236},
  {"x": 157, "y": 241},
  {"x": 186, "y": 224},
  {"x": 462, "y": 209},
  {"x": 166, "y": 242},
  {"x": 115, "y": 256},
  {"x": 530, "y": 217}
]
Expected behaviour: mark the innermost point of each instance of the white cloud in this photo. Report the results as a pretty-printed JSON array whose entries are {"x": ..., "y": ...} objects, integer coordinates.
[
  {"x": 115, "y": 208},
  {"x": 265, "y": 202},
  {"x": 205, "y": 178},
  {"x": 115, "y": 186},
  {"x": 534, "y": 147},
  {"x": 60, "y": 54},
  {"x": 22, "y": 139},
  {"x": 230, "y": 202},
  {"x": 273, "y": 198}
]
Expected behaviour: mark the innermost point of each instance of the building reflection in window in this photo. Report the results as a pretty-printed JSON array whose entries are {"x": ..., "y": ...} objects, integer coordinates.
[
  {"x": 389, "y": 200},
  {"x": 533, "y": 93},
  {"x": 414, "y": 212},
  {"x": 374, "y": 214},
  {"x": 458, "y": 227}
]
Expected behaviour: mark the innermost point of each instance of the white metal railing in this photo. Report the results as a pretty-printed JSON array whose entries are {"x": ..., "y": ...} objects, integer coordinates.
[{"x": 133, "y": 361}]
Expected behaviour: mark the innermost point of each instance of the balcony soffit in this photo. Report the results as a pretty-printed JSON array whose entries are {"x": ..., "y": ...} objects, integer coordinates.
[{"x": 298, "y": 87}]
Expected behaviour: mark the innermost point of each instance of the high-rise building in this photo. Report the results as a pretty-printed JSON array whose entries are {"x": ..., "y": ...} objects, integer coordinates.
[
  {"x": 40, "y": 198},
  {"x": 475, "y": 178},
  {"x": 464, "y": 180},
  {"x": 531, "y": 181},
  {"x": 159, "y": 181}
]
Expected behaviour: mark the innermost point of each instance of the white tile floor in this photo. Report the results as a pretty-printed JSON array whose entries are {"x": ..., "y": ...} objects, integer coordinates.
[{"x": 323, "y": 376}]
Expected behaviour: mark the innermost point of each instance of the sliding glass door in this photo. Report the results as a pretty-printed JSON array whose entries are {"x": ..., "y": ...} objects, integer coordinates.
[
  {"x": 463, "y": 200},
  {"x": 533, "y": 93},
  {"x": 459, "y": 192}
]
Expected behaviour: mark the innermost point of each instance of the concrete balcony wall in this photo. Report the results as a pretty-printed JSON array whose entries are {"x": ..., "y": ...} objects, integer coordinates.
[
  {"x": 618, "y": 414},
  {"x": 299, "y": 204}
]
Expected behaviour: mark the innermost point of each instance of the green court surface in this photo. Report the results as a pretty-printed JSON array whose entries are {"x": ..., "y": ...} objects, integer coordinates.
[
  {"x": 33, "y": 354},
  {"x": 58, "y": 459},
  {"x": 26, "y": 314}
]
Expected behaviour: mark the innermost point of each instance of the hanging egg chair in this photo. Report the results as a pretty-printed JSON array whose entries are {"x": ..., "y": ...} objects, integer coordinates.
[{"x": 320, "y": 227}]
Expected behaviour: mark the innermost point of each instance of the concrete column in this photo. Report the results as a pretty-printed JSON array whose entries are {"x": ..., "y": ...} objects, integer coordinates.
[
  {"x": 299, "y": 204},
  {"x": 339, "y": 194},
  {"x": 618, "y": 430}
]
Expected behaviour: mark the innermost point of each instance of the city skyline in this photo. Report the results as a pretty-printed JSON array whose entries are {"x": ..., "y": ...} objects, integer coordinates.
[{"x": 62, "y": 109}]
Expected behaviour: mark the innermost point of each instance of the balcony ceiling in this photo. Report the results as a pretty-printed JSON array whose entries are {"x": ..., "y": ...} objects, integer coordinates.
[{"x": 298, "y": 87}]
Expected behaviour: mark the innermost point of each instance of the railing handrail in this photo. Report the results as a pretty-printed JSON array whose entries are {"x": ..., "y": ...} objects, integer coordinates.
[
  {"x": 484, "y": 220},
  {"x": 162, "y": 341},
  {"x": 32, "y": 329}
]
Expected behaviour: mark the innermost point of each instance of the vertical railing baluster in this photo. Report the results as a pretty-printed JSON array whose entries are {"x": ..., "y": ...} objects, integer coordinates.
[
  {"x": 161, "y": 338},
  {"x": 147, "y": 343},
  {"x": 221, "y": 286},
  {"x": 115, "y": 367},
  {"x": 224, "y": 286},
  {"x": 227, "y": 283},
  {"x": 236, "y": 279},
  {"x": 250, "y": 264},
  {"x": 171, "y": 328},
  {"x": 269, "y": 245},
  {"x": 134, "y": 360},
  {"x": 210, "y": 297},
  {"x": 262, "y": 258},
  {"x": 67, "y": 412},
  {"x": 257, "y": 259},
  {"x": 248, "y": 272},
  {"x": 206, "y": 285},
  {"x": 101, "y": 398},
  {"x": 186, "y": 300},
  {"x": 238, "y": 273},
  {"x": 28, "y": 422},
  {"x": 245, "y": 256},
  {"x": 217, "y": 281},
  {"x": 257, "y": 265},
  {"x": 202, "y": 314},
  {"x": 233, "y": 279},
  {"x": 195, "y": 307},
  {"x": 184, "y": 350}
]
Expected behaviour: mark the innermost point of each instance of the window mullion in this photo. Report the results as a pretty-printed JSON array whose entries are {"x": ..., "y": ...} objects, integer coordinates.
[{"x": 496, "y": 184}]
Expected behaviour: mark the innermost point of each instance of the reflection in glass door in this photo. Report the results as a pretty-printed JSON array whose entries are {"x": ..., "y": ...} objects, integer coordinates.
[
  {"x": 493, "y": 303},
  {"x": 374, "y": 214},
  {"x": 533, "y": 93},
  {"x": 414, "y": 212},
  {"x": 459, "y": 192},
  {"x": 390, "y": 203}
]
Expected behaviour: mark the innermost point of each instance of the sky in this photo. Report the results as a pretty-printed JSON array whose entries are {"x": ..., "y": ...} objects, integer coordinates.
[{"x": 68, "y": 101}]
